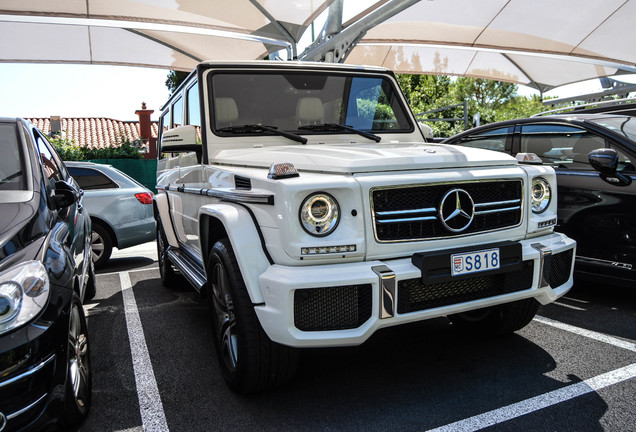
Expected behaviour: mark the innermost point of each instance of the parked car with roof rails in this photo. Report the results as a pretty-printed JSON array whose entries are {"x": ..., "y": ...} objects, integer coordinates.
[
  {"x": 46, "y": 272},
  {"x": 594, "y": 156},
  {"x": 120, "y": 208}
]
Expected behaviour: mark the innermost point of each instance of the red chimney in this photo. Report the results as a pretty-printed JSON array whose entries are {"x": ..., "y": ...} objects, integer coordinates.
[{"x": 145, "y": 131}]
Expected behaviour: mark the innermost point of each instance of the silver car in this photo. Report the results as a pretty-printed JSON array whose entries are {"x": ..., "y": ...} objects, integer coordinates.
[{"x": 119, "y": 207}]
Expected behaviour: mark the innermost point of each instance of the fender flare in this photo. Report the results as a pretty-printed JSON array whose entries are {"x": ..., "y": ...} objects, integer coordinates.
[
  {"x": 163, "y": 211},
  {"x": 242, "y": 232}
]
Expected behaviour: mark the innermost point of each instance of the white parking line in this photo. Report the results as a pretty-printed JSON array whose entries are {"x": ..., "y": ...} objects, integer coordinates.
[
  {"x": 546, "y": 400},
  {"x": 527, "y": 406},
  {"x": 153, "y": 417},
  {"x": 576, "y": 308},
  {"x": 620, "y": 343}
]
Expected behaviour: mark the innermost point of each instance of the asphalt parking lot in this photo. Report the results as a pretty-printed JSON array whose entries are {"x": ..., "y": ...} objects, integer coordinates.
[{"x": 154, "y": 368}]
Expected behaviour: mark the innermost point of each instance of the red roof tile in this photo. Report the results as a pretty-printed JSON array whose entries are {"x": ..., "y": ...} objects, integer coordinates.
[{"x": 95, "y": 132}]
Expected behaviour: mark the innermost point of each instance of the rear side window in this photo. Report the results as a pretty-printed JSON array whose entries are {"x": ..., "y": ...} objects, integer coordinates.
[
  {"x": 493, "y": 139},
  {"x": 90, "y": 179}
]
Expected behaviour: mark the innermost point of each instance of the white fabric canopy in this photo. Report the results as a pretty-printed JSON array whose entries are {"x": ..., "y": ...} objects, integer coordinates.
[
  {"x": 175, "y": 34},
  {"x": 540, "y": 43}
]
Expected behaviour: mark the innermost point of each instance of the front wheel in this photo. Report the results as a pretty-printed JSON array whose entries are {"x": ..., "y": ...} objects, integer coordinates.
[
  {"x": 497, "y": 320},
  {"x": 249, "y": 360},
  {"x": 77, "y": 400}
]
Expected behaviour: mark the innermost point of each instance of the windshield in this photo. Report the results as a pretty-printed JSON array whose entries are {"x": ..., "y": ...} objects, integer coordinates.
[
  {"x": 622, "y": 125},
  {"x": 298, "y": 102},
  {"x": 11, "y": 162}
]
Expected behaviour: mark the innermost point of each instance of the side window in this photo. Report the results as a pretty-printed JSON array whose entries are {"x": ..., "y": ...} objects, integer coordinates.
[
  {"x": 494, "y": 139},
  {"x": 50, "y": 163},
  {"x": 90, "y": 179},
  {"x": 165, "y": 121},
  {"x": 565, "y": 146},
  {"x": 177, "y": 113},
  {"x": 194, "y": 112}
]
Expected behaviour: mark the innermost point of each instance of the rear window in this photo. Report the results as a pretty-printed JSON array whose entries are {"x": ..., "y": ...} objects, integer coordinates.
[
  {"x": 12, "y": 160},
  {"x": 90, "y": 179}
]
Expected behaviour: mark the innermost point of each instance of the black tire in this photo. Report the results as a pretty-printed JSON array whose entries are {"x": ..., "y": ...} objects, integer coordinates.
[
  {"x": 166, "y": 271},
  {"x": 497, "y": 320},
  {"x": 101, "y": 244},
  {"x": 249, "y": 360},
  {"x": 77, "y": 400}
]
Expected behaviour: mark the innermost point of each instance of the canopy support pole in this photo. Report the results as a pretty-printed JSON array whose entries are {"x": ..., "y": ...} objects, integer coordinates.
[{"x": 337, "y": 46}]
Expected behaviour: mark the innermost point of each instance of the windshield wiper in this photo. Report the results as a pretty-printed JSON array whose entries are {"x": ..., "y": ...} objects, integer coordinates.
[
  {"x": 244, "y": 129},
  {"x": 11, "y": 177},
  {"x": 333, "y": 127}
]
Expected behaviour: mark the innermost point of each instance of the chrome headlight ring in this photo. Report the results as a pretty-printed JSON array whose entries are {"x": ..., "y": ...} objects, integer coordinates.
[
  {"x": 541, "y": 195},
  {"x": 319, "y": 214}
]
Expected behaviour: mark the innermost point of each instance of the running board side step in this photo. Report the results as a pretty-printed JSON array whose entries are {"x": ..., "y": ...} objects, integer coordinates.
[{"x": 188, "y": 267}]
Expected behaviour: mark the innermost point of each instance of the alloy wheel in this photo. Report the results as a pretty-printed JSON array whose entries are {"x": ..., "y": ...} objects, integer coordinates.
[
  {"x": 224, "y": 317},
  {"x": 78, "y": 362},
  {"x": 97, "y": 244}
]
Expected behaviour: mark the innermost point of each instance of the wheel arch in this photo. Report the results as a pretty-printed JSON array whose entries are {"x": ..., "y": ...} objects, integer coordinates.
[
  {"x": 96, "y": 220},
  {"x": 217, "y": 221}
]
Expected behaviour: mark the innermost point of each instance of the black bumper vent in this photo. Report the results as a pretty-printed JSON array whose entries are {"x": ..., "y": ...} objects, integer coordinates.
[
  {"x": 560, "y": 268},
  {"x": 332, "y": 308},
  {"x": 409, "y": 213},
  {"x": 414, "y": 296}
]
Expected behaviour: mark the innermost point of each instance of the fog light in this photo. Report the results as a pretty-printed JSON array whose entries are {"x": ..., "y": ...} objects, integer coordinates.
[{"x": 322, "y": 250}]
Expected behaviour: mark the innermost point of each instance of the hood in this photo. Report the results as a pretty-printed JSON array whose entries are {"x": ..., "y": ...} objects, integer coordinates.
[{"x": 362, "y": 158}]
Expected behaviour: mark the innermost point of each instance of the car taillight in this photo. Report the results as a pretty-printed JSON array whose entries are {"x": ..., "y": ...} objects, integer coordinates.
[{"x": 144, "y": 197}]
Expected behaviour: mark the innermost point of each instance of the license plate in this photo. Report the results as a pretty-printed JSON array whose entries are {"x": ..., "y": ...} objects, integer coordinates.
[{"x": 474, "y": 262}]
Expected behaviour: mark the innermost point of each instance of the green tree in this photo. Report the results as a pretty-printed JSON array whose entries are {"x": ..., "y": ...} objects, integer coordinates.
[
  {"x": 493, "y": 100},
  {"x": 174, "y": 79}
]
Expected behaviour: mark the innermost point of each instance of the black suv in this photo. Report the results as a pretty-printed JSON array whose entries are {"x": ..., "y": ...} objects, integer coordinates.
[
  {"x": 45, "y": 274},
  {"x": 594, "y": 157}
]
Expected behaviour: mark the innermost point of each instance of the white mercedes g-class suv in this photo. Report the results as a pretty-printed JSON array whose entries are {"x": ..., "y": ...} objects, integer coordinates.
[{"x": 302, "y": 200}]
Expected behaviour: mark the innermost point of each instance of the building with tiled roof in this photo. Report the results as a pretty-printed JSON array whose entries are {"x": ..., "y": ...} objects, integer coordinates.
[
  {"x": 94, "y": 132},
  {"x": 97, "y": 132}
]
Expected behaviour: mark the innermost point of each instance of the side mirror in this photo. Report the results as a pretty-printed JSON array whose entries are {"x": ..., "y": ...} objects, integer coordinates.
[
  {"x": 180, "y": 139},
  {"x": 64, "y": 195},
  {"x": 605, "y": 161}
]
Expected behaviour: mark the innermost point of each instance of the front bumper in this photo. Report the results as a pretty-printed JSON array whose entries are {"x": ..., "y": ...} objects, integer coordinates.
[
  {"x": 33, "y": 374},
  {"x": 344, "y": 304}
]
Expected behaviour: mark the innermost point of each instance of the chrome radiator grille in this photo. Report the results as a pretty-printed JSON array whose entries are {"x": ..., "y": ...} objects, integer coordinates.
[{"x": 410, "y": 213}]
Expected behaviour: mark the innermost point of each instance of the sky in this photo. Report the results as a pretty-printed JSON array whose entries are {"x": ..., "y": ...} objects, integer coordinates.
[{"x": 43, "y": 90}]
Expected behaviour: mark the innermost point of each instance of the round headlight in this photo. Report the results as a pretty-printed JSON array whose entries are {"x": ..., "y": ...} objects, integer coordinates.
[
  {"x": 541, "y": 194},
  {"x": 10, "y": 301},
  {"x": 319, "y": 214}
]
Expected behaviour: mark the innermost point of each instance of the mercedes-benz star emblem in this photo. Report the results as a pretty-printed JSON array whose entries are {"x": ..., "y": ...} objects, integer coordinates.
[{"x": 456, "y": 211}]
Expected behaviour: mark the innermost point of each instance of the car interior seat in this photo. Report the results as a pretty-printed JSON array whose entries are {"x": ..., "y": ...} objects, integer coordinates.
[
  {"x": 309, "y": 110},
  {"x": 226, "y": 111}
]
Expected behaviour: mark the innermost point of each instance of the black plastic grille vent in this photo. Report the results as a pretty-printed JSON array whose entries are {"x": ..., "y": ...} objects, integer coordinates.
[
  {"x": 413, "y": 295},
  {"x": 560, "y": 268},
  {"x": 332, "y": 308},
  {"x": 242, "y": 183},
  {"x": 410, "y": 212}
]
